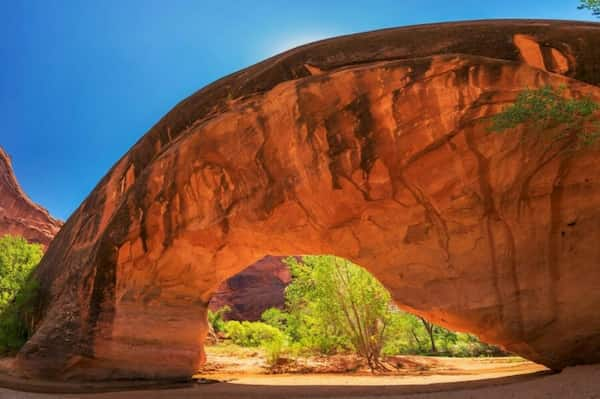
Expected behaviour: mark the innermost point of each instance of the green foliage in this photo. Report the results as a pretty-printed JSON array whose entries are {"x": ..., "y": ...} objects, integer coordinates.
[
  {"x": 252, "y": 334},
  {"x": 343, "y": 306},
  {"x": 466, "y": 345},
  {"x": 17, "y": 259},
  {"x": 408, "y": 336},
  {"x": 592, "y": 5},
  {"x": 553, "y": 115},
  {"x": 216, "y": 320},
  {"x": 334, "y": 306},
  {"x": 273, "y": 350},
  {"x": 18, "y": 319},
  {"x": 276, "y": 318},
  {"x": 257, "y": 334},
  {"x": 18, "y": 291}
]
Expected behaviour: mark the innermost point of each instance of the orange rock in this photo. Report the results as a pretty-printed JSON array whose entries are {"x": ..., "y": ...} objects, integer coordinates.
[
  {"x": 382, "y": 157},
  {"x": 19, "y": 215}
]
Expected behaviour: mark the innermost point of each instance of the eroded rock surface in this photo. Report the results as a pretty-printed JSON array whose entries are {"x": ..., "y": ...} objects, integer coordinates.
[
  {"x": 373, "y": 147},
  {"x": 253, "y": 290},
  {"x": 19, "y": 215}
]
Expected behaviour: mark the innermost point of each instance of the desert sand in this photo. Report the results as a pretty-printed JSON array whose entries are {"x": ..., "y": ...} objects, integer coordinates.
[{"x": 447, "y": 378}]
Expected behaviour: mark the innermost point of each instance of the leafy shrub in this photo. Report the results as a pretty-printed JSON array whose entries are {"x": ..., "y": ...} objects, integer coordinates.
[
  {"x": 553, "y": 115},
  {"x": 276, "y": 318},
  {"x": 17, "y": 259},
  {"x": 273, "y": 350},
  {"x": 260, "y": 333},
  {"x": 18, "y": 319},
  {"x": 18, "y": 291},
  {"x": 252, "y": 334},
  {"x": 235, "y": 331},
  {"x": 216, "y": 318}
]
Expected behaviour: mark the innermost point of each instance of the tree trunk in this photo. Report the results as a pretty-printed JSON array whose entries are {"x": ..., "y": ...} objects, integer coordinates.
[
  {"x": 429, "y": 327},
  {"x": 416, "y": 338}
]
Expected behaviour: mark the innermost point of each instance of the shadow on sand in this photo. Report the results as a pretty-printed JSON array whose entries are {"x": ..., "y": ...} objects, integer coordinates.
[{"x": 230, "y": 390}]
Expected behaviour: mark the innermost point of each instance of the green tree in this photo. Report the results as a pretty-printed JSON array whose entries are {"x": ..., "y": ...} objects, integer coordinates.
[
  {"x": 411, "y": 334},
  {"x": 335, "y": 306},
  {"x": 17, "y": 259},
  {"x": 430, "y": 328},
  {"x": 276, "y": 318},
  {"x": 407, "y": 334},
  {"x": 341, "y": 299},
  {"x": 592, "y": 5},
  {"x": 216, "y": 321},
  {"x": 18, "y": 291},
  {"x": 571, "y": 122}
]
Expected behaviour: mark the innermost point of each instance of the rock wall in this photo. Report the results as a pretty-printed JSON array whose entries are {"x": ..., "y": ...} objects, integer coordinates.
[
  {"x": 373, "y": 147},
  {"x": 253, "y": 290},
  {"x": 18, "y": 214}
]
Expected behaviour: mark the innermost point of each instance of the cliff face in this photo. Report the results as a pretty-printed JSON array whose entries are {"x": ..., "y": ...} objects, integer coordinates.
[
  {"x": 18, "y": 214},
  {"x": 253, "y": 290},
  {"x": 373, "y": 147}
]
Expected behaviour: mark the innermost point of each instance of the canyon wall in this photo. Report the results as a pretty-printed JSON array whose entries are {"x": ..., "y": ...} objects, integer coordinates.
[
  {"x": 253, "y": 290},
  {"x": 19, "y": 215}
]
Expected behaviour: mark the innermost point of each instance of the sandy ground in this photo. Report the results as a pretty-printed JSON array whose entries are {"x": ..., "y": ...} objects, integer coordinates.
[
  {"x": 225, "y": 362},
  {"x": 447, "y": 378}
]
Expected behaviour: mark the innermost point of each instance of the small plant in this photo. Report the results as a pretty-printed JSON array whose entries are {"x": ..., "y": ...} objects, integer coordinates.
[
  {"x": 257, "y": 334},
  {"x": 273, "y": 350},
  {"x": 216, "y": 318},
  {"x": 573, "y": 120}
]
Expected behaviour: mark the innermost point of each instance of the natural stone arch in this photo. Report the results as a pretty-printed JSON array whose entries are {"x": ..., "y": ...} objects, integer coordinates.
[{"x": 384, "y": 162}]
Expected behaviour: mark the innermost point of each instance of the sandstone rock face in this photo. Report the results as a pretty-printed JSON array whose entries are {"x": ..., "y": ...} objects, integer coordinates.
[
  {"x": 18, "y": 214},
  {"x": 373, "y": 147},
  {"x": 253, "y": 290}
]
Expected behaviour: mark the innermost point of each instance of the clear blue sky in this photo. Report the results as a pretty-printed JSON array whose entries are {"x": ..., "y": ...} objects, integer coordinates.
[{"x": 81, "y": 81}]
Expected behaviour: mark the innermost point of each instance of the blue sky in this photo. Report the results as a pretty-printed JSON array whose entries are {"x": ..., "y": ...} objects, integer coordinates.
[{"x": 81, "y": 81}]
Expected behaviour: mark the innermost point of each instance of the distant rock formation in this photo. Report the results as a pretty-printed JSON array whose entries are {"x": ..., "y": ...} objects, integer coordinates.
[
  {"x": 253, "y": 290},
  {"x": 19, "y": 215},
  {"x": 373, "y": 147}
]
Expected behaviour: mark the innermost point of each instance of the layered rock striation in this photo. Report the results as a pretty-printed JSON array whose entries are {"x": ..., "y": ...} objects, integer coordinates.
[
  {"x": 373, "y": 147},
  {"x": 19, "y": 215}
]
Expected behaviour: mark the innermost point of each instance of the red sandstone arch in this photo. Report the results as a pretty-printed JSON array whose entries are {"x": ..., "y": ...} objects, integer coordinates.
[{"x": 372, "y": 147}]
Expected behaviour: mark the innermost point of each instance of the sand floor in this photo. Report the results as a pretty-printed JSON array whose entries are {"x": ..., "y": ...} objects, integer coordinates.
[{"x": 449, "y": 379}]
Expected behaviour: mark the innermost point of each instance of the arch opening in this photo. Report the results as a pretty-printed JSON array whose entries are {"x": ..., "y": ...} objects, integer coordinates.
[{"x": 322, "y": 313}]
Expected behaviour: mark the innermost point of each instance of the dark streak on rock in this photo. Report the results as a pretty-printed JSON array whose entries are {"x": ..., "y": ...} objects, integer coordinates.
[{"x": 360, "y": 108}]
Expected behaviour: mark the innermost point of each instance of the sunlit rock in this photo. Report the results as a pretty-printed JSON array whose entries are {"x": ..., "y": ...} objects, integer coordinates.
[
  {"x": 378, "y": 152},
  {"x": 19, "y": 215}
]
